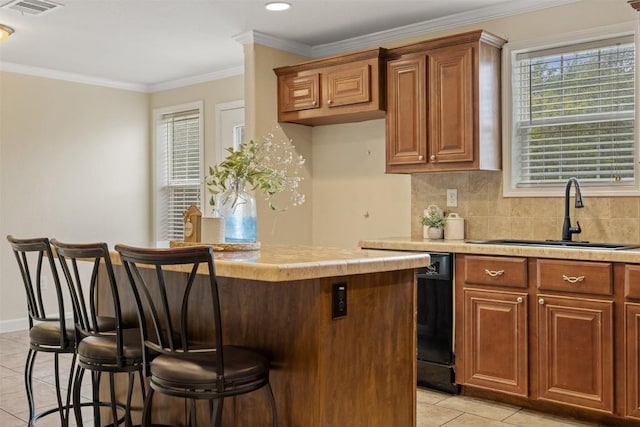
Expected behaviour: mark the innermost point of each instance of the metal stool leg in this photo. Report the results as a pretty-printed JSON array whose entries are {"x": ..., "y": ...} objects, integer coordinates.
[
  {"x": 146, "y": 413},
  {"x": 28, "y": 381},
  {"x": 76, "y": 395},
  {"x": 272, "y": 401}
]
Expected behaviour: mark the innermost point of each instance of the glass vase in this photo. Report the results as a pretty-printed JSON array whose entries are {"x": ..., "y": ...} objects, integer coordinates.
[{"x": 238, "y": 208}]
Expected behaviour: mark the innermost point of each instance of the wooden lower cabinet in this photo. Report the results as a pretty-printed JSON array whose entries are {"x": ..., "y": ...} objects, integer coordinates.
[
  {"x": 632, "y": 359},
  {"x": 575, "y": 351},
  {"x": 550, "y": 334},
  {"x": 495, "y": 340}
]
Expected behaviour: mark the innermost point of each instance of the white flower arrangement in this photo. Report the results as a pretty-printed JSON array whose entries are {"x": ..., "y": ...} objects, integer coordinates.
[{"x": 269, "y": 165}]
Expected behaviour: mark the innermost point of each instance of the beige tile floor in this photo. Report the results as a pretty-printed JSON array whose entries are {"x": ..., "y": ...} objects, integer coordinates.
[
  {"x": 434, "y": 408},
  {"x": 440, "y": 409}
]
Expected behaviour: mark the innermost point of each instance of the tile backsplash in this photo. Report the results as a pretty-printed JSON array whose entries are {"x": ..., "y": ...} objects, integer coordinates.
[{"x": 489, "y": 215}]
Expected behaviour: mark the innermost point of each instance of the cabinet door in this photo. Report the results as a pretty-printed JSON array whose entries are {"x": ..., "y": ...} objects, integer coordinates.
[
  {"x": 632, "y": 360},
  {"x": 575, "y": 351},
  {"x": 406, "y": 112},
  {"x": 451, "y": 105},
  {"x": 296, "y": 93},
  {"x": 495, "y": 340},
  {"x": 348, "y": 85}
]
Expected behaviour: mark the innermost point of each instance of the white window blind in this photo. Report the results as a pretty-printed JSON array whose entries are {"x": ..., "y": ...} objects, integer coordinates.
[
  {"x": 181, "y": 166},
  {"x": 574, "y": 114}
]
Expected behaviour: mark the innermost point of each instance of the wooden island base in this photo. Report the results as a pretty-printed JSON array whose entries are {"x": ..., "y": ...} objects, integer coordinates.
[{"x": 357, "y": 370}]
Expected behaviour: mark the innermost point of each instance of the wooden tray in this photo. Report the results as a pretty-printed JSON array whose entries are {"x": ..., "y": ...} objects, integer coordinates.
[{"x": 219, "y": 247}]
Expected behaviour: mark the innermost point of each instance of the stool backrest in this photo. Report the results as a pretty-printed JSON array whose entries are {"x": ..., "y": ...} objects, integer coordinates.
[
  {"x": 166, "y": 283},
  {"x": 81, "y": 263},
  {"x": 36, "y": 262}
]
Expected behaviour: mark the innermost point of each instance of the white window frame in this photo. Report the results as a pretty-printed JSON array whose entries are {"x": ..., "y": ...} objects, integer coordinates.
[
  {"x": 510, "y": 50},
  {"x": 157, "y": 202}
]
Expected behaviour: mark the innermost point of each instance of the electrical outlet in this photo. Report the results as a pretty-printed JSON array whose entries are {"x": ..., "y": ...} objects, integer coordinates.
[
  {"x": 452, "y": 197},
  {"x": 338, "y": 300}
]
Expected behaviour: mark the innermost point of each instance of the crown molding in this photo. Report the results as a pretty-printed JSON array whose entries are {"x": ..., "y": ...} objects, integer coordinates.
[
  {"x": 202, "y": 78},
  {"x": 70, "y": 77},
  {"x": 277, "y": 43},
  {"x": 421, "y": 28},
  {"x": 90, "y": 80}
]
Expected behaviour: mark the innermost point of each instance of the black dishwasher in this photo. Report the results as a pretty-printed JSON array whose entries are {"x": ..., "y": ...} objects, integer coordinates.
[{"x": 435, "y": 324}]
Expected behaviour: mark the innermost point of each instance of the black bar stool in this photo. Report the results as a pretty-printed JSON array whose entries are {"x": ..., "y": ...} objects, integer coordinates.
[
  {"x": 105, "y": 344},
  {"x": 48, "y": 332},
  {"x": 182, "y": 367}
]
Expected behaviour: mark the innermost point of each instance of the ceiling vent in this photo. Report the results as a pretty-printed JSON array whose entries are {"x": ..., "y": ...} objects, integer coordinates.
[{"x": 32, "y": 7}]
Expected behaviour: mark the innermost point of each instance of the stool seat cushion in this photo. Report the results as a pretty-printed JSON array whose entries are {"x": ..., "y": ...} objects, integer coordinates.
[
  {"x": 47, "y": 334},
  {"x": 242, "y": 368},
  {"x": 101, "y": 350}
]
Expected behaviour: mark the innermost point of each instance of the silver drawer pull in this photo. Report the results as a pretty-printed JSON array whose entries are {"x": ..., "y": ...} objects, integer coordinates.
[
  {"x": 494, "y": 273},
  {"x": 519, "y": 300},
  {"x": 571, "y": 279}
]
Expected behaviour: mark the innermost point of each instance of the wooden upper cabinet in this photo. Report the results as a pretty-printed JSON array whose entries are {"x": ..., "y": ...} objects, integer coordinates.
[
  {"x": 334, "y": 90},
  {"x": 406, "y": 129},
  {"x": 298, "y": 93},
  {"x": 348, "y": 85},
  {"x": 452, "y": 108},
  {"x": 451, "y": 104}
]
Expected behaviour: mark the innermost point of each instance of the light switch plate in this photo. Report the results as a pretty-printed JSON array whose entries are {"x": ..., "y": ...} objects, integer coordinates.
[{"x": 452, "y": 197}]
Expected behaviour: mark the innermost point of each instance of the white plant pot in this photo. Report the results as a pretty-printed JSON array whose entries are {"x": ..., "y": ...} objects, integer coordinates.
[
  {"x": 432, "y": 233},
  {"x": 212, "y": 229}
]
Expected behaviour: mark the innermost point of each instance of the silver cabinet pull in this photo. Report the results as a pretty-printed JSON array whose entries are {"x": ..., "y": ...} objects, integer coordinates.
[
  {"x": 313, "y": 102},
  {"x": 433, "y": 157},
  {"x": 572, "y": 279},
  {"x": 541, "y": 301},
  {"x": 494, "y": 273},
  {"x": 420, "y": 157},
  {"x": 519, "y": 300},
  {"x": 329, "y": 102}
]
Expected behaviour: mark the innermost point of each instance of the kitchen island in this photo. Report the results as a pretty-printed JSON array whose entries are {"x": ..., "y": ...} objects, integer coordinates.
[{"x": 353, "y": 370}]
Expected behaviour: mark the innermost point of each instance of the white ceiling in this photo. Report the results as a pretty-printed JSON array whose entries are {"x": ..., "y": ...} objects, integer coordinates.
[{"x": 150, "y": 43}]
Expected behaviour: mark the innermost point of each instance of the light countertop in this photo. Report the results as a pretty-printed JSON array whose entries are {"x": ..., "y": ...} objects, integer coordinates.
[
  {"x": 278, "y": 263},
  {"x": 461, "y": 246}
]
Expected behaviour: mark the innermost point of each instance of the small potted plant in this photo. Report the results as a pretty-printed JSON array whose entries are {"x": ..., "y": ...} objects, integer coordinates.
[{"x": 433, "y": 222}]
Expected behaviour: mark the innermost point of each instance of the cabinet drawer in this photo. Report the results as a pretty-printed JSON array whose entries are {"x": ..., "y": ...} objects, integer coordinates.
[
  {"x": 583, "y": 277},
  {"x": 495, "y": 271},
  {"x": 632, "y": 281}
]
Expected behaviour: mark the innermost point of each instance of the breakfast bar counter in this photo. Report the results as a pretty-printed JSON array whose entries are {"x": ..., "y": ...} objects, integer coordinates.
[{"x": 352, "y": 370}]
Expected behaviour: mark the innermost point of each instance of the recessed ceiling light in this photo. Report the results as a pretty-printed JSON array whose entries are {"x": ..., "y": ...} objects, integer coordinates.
[{"x": 277, "y": 6}]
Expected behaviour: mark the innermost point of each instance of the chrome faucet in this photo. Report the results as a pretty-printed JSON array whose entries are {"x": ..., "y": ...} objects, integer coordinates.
[{"x": 567, "y": 229}]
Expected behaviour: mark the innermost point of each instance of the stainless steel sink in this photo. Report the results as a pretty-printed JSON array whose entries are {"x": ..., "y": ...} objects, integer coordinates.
[{"x": 558, "y": 244}]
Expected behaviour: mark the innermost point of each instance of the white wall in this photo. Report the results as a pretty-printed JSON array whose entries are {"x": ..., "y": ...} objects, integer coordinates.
[
  {"x": 292, "y": 226},
  {"x": 74, "y": 165},
  {"x": 353, "y": 198}
]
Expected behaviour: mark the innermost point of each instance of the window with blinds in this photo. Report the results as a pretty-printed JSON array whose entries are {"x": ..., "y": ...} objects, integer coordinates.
[
  {"x": 179, "y": 136},
  {"x": 574, "y": 114}
]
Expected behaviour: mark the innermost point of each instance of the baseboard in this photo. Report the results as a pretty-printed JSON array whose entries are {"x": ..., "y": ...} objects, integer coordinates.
[
  {"x": 13, "y": 325},
  {"x": 22, "y": 324}
]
